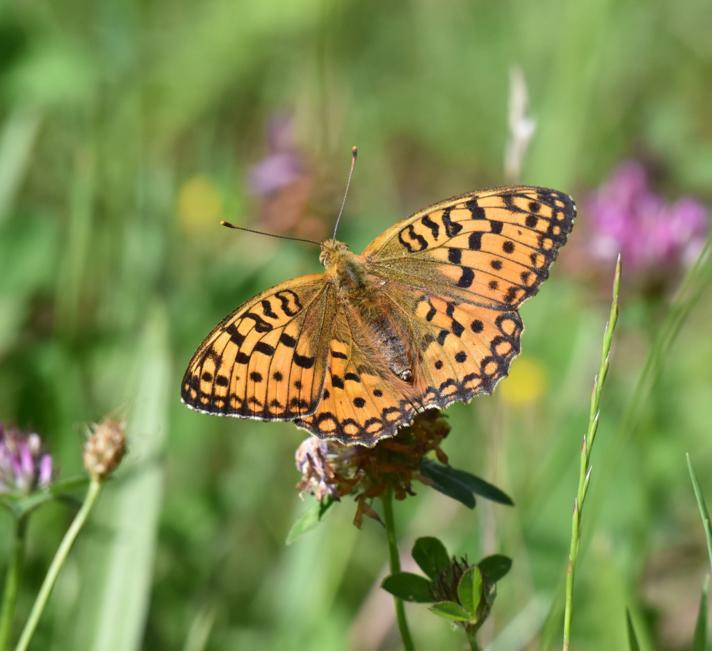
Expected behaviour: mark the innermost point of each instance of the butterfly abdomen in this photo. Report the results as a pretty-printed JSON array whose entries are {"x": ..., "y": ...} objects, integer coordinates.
[
  {"x": 359, "y": 292},
  {"x": 394, "y": 345}
]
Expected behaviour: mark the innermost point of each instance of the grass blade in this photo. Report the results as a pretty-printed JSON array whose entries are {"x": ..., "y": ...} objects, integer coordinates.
[
  {"x": 585, "y": 459},
  {"x": 117, "y": 570},
  {"x": 699, "y": 641},
  {"x": 702, "y": 506},
  {"x": 633, "y": 644}
]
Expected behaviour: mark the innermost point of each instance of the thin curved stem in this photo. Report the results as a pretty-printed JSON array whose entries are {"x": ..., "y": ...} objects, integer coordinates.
[
  {"x": 12, "y": 581},
  {"x": 57, "y": 563},
  {"x": 394, "y": 558}
]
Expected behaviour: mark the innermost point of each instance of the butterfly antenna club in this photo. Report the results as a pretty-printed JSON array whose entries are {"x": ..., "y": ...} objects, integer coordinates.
[{"x": 354, "y": 156}]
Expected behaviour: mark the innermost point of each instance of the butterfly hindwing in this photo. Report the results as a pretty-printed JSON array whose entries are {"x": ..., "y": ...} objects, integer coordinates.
[
  {"x": 362, "y": 400},
  {"x": 265, "y": 360},
  {"x": 466, "y": 350}
]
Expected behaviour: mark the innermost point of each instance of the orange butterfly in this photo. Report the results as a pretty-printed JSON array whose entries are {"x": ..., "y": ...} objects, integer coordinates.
[{"x": 425, "y": 316}]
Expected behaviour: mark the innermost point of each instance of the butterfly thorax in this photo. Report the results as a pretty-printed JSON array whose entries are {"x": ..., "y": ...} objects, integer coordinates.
[
  {"x": 362, "y": 295},
  {"x": 344, "y": 269}
]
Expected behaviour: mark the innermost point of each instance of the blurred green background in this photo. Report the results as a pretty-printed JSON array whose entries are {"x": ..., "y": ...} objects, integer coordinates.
[{"x": 128, "y": 129}]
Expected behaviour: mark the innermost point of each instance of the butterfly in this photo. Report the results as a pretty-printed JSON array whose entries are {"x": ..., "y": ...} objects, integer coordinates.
[{"x": 424, "y": 317}]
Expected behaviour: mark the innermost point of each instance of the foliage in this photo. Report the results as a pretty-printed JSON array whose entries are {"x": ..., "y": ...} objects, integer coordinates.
[{"x": 458, "y": 591}]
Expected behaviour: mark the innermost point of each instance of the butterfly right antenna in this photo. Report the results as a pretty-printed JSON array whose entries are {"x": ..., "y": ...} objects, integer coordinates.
[{"x": 354, "y": 156}]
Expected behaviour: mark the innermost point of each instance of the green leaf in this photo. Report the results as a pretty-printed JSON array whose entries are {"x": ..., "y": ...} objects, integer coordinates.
[
  {"x": 699, "y": 642},
  {"x": 702, "y": 506},
  {"x": 408, "y": 587},
  {"x": 59, "y": 488},
  {"x": 21, "y": 503},
  {"x": 448, "y": 483},
  {"x": 469, "y": 590},
  {"x": 431, "y": 556},
  {"x": 311, "y": 517},
  {"x": 481, "y": 487},
  {"x": 633, "y": 644},
  {"x": 450, "y": 610},
  {"x": 495, "y": 567},
  {"x": 117, "y": 553}
]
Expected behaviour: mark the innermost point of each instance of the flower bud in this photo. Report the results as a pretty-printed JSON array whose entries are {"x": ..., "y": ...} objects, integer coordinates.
[{"x": 104, "y": 448}]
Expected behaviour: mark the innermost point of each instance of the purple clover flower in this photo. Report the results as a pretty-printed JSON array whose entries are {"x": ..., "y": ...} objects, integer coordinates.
[
  {"x": 283, "y": 165},
  {"x": 649, "y": 232},
  {"x": 24, "y": 466}
]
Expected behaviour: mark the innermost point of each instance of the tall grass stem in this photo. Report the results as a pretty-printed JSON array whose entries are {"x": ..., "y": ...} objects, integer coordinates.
[{"x": 585, "y": 458}]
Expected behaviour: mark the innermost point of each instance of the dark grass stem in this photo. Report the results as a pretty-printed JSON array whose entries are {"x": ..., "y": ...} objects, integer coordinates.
[
  {"x": 12, "y": 581},
  {"x": 585, "y": 460},
  {"x": 394, "y": 559},
  {"x": 57, "y": 563}
]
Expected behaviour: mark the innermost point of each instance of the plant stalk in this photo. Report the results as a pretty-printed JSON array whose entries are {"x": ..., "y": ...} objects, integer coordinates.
[
  {"x": 471, "y": 633},
  {"x": 585, "y": 459},
  {"x": 57, "y": 563},
  {"x": 12, "y": 581},
  {"x": 394, "y": 558}
]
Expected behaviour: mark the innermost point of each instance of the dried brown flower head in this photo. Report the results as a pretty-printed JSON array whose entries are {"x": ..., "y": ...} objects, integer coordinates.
[
  {"x": 104, "y": 448},
  {"x": 333, "y": 470}
]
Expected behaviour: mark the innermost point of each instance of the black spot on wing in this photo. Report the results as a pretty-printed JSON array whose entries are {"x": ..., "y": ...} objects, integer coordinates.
[
  {"x": 474, "y": 241},
  {"x": 454, "y": 255},
  {"x": 467, "y": 277},
  {"x": 303, "y": 361},
  {"x": 434, "y": 227},
  {"x": 451, "y": 228},
  {"x": 235, "y": 336},
  {"x": 260, "y": 324},
  {"x": 265, "y": 349}
]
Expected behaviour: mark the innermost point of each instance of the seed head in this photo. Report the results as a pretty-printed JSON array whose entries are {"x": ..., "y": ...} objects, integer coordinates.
[{"x": 104, "y": 448}]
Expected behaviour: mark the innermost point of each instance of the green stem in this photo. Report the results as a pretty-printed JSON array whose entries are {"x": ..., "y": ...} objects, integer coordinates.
[
  {"x": 472, "y": 638},
  {"x": 12, "y": 581},
  {"x": 57, "y": 562},
  {"x": 585, "y": 459},
  {"x": 394, "y": 558}
]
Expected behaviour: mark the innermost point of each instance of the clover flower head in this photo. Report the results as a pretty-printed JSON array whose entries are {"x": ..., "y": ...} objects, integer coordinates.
[
  {"x": 323, "y": 466},
  {"x": 627, "y": 216},
  {"x": 24, "y": 465},
  {"x": 283, "y": 164},
  {"x": 332, "y": 470}
]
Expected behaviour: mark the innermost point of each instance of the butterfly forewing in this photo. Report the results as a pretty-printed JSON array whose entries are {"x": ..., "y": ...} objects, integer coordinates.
[
  {"x": 493, "y": 248},
  {"x": 267, "y": 359}
]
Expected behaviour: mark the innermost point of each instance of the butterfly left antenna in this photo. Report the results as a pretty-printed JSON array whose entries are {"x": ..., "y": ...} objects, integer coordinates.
[
  {"x": 354, "y": 156},
  {"x": 227, "y": 224}
]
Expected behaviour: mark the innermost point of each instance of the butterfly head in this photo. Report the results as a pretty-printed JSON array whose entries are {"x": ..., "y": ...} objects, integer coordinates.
[
  {"x": 344, "y": 268},
  {"x": 332, "y": 252}
]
